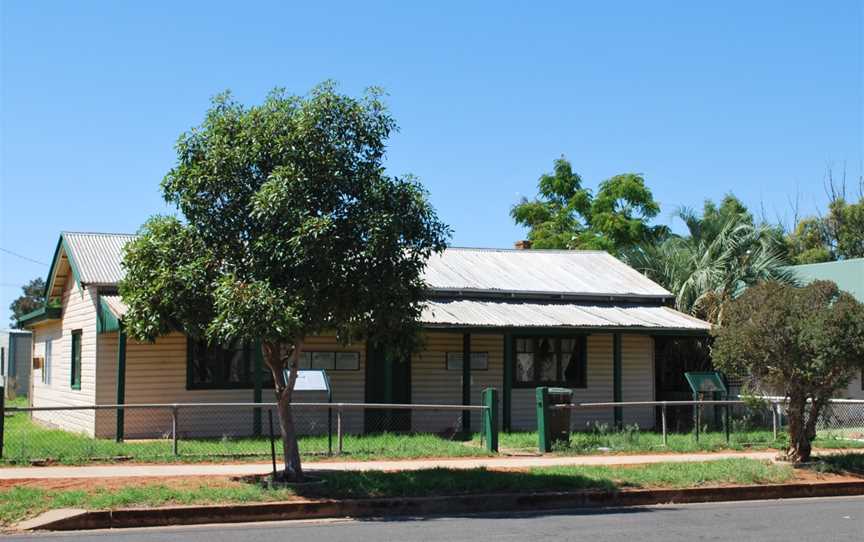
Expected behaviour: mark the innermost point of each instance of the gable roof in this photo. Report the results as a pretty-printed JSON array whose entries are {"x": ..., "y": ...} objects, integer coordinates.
[
  {"x": 92, "y": 258},
  {"x": 469, "y": 287}
]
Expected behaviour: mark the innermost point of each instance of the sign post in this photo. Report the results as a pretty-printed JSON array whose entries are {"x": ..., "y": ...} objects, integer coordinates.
[{"x": 707, "y": 385}]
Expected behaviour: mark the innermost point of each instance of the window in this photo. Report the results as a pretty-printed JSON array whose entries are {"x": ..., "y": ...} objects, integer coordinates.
[
  {"x": 46, "y": 364},
  {"x": 76, "y": 360},
  {"x": 543, "y": 361},
  {"x": 221, "y": 366},
  {"x": 479, "y": 361},
  {"x": 233, "y": 366}
]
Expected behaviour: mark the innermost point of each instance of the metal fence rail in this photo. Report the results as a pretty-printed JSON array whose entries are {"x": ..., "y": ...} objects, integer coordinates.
[
  {"x": 842, "y": 418},
  {"x": 224, "y": 430}
]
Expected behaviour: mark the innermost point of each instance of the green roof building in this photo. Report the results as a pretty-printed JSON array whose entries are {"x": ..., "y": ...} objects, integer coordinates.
[{"x": 849, "y": 276}]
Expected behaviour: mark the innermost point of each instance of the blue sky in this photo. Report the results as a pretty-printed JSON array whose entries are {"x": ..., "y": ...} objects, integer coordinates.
[{"x": 756, "y": 98}]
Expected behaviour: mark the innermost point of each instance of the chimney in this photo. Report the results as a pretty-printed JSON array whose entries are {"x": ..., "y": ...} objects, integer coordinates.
[{"x": 522, "y": 245}]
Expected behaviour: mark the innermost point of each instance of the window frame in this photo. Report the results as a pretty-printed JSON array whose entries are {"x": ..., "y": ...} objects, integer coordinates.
[
  {"x": 46, "y": 363},
  {"x": 581, "y": 348},
  {"x": 480, "y": 356},
  {"x": 220, "y": 382},
  {"x": 75, "y": 364}
]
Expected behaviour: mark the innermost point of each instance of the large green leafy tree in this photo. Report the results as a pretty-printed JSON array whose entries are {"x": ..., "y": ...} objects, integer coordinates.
[
  {"x": 290, "y": 227},
  {"x": 805, "y": 343},
  {"x": 723, "y": 252},
  {"x": 32, "y": 297},
  {"x": 565, "y": 215}
]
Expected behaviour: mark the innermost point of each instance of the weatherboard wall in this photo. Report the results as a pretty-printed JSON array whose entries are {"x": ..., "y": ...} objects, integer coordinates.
[{"x": 78, "y": 313}]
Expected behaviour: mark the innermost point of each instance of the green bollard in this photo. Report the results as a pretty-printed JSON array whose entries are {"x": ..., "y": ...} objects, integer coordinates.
[
  {"x": 544, "y": 436},
  {"x": 490, "y": 419}
]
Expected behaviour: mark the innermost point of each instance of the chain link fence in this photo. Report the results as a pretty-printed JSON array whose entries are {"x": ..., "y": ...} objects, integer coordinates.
[
  {"x": 842, "y": 418},
  {"x": 696, "y": 425},
  {"x": 234, "y": 432}
]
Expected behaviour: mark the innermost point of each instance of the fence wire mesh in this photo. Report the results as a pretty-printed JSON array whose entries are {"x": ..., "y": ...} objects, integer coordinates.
[
  {"x": 235, "y": 432},
  {"x": 842, "y": 419}
]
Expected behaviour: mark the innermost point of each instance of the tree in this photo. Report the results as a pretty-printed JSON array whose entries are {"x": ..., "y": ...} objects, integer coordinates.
[
  {"x": 724, "y": 253},
  {"x": 838, "y": 235},
  {"x": 805, "y": 343},
  {"x": 565, "y": 215},
  {"x": 32, "y": 297},
  {"x": 291, "y": 227}
]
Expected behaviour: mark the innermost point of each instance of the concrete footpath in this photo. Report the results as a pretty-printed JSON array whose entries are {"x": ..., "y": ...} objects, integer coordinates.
[{"x": 239, "y": 469}]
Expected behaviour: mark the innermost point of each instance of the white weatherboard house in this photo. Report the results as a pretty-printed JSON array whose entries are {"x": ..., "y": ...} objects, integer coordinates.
[{"x": 576, "y": 319}]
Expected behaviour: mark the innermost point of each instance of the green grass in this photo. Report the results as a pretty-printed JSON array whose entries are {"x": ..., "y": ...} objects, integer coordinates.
[
  {"x": 629, "y": 441},
  {"x": 26, "y": 441},
  {"x": 22, "y": 502}
]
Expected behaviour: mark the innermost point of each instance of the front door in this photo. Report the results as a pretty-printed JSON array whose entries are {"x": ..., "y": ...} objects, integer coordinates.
[{"x": 388, "y": 380}]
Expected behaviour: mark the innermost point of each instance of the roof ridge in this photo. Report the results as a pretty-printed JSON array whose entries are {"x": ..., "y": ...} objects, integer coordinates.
[
  {"x": 529, "y": 250},
  {"x": 115, "y": 234}
]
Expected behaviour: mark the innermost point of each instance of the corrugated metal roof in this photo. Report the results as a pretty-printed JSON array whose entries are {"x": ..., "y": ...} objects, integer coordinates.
[
  {"x": 570, "y": 272},
  {"x": 474, "y": 313},
  {"x": 97, "y": 256},
  {"x": 115, "y": 305},
  {"x": 564, "y": 272}
]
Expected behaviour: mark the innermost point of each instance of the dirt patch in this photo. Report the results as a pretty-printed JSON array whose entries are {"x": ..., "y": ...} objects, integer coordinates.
[{"x": 92, "y": 484}]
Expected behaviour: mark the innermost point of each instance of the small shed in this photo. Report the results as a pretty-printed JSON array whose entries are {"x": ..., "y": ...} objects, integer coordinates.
[{"x": 15, "y": 361}]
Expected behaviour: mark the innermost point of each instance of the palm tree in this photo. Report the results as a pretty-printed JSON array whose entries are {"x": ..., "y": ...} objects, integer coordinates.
[{"x": 714, "y": 263}]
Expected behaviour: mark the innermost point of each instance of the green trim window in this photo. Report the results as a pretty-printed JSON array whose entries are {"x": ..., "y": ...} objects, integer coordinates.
[
  {"x": 550, "y": 361},
  {"x": 220, "y": 366},
  {"x": 75, "y": 369},
  {"x": 233, "y": 366}
]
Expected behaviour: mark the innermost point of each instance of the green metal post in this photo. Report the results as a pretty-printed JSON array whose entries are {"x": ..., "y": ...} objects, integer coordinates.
[
  {"x": 616, "y": 378},
  {"x": 544, "y": 436},
  {"x": 466, "y": 382},
  {"x": 259, "y": 383},
  {"x": 121, "y": 384},
  {"x": 508, "y": 381},
  {"x": 2, "y": 415},
  {"x": 490, "y": 419},
  {"x": 727, "y": 422}
]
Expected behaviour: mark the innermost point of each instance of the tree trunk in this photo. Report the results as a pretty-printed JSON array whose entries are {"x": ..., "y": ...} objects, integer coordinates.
[
  {"x": 277, "y": 358},
  {"x": 800, "y": 440}
]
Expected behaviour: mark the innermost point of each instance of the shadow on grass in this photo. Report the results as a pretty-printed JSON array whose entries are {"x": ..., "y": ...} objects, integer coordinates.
[
  {"x": 441, "y": 482},
  {"x": 850, "y": 463}
]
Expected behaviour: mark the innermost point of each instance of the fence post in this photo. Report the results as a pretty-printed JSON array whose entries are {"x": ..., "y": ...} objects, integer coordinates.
[
  {"x": 339, "y": 430},
  {"x": 727, "y": 422},
  {"x": 544, "y": 436},
  {"x": 2, "y": 417},
  {"x": 490, "y": 419},
  {"x": 663, "y": 422},
  {"x": 696, "y": 421},
  {"x": 174, "y": 428},
  {"x": 272, "y": 442},
  {"x": 774, "y": 419}
]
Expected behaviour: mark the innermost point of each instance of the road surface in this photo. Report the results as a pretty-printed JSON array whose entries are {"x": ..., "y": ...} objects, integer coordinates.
[{"x": 839, "y": 518}]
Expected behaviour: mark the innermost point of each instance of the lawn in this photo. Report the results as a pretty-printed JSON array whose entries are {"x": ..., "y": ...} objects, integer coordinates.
[
  {"x": 22, "y": 502},
  {"x": 26, "y": 441},
  {"x": 632, "y": 441}
]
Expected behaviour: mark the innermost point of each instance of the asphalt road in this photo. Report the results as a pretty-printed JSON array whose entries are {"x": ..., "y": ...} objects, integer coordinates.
[{"x": 840, "y": 518}]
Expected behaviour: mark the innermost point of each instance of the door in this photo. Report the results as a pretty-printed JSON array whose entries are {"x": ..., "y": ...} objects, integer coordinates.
[{"x": 388, "y": 380}]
